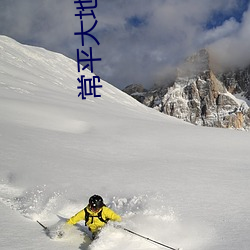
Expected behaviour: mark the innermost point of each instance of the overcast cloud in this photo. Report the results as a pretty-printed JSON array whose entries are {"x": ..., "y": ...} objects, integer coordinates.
[{"x": 140, "y": 40}]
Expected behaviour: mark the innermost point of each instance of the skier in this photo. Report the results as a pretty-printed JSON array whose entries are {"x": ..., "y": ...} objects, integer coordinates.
[{"x": 95, "y": 214}]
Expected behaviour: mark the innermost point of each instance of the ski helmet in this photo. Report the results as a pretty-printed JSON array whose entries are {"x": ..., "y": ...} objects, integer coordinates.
[{"x": 95, "y": 202}]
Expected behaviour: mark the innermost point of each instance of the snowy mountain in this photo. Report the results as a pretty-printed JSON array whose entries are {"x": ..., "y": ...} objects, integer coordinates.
[
  {"x": 182, "y": 185},
  {"x": 201, "y": 95}
]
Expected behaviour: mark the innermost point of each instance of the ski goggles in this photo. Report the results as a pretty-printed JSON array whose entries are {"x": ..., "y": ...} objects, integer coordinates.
[{"x": 94, "y": 208}]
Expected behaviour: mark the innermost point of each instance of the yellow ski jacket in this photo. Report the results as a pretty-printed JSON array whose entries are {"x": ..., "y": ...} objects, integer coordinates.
[{"x": 94, "y": 223}]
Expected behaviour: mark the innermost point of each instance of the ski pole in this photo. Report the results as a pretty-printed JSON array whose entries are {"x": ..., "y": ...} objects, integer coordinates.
[
  {"x": 146, "y": 238},
  {"x": 45, "y": 228}
]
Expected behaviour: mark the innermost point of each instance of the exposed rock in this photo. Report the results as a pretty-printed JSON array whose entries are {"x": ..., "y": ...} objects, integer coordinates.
[
  {"x": 137, "y": 91},
  {"x": 133, "y": 88},
  {"x": 237, "y": 81},
  {"x": 201, "y": 97}
]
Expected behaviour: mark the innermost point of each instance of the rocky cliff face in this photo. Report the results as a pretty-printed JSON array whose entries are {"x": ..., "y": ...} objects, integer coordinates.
[
  {"x": 237, "y": 81},
  {"x": 201, "y": 97}
]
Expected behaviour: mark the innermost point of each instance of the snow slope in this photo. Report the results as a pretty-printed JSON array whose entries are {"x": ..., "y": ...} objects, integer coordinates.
[{"x": 176, "y": 183}]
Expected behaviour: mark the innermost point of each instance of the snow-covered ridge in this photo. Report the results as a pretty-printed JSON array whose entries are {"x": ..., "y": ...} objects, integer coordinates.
[
  {"x": 37, "y": 68},
  {"x": 37, "y": 74}
]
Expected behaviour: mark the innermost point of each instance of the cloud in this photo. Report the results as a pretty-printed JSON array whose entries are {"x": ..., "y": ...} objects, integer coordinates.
[
  {"x": 233, "y": 49},
  {"x": 170, "y": 31},
  {"x": 228, "y": 28},
  {"x": 140, "y": 40}
]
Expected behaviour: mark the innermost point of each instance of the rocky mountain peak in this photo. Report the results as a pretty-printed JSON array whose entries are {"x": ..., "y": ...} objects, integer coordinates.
[
  {"x": 202, "y": 97},
  {"x": 196, "y": 64}
]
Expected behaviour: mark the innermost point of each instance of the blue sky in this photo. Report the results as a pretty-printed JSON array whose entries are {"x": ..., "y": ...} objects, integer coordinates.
[
  {"x": 218, "y": 17},
  {"x": 141, "y": 41}
]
